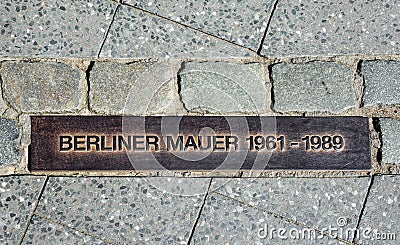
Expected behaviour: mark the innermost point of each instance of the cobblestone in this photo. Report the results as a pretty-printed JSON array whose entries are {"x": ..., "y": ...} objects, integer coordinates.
[
  {"x": 42, "y": 86},
  {"x": 382, "y": 82},
  {"x": 315, "y": 86},
  {"x": 391, "y": 140},
  {"x": 224, "y": 87},
  {"x": 137, "y": 88},
  {"x": 10, "y": 133}
]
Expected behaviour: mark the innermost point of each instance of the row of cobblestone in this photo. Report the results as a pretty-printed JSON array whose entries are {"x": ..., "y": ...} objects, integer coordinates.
[
  {"x": 317, "y": 86},
  {"x": 174, "y": 87}
]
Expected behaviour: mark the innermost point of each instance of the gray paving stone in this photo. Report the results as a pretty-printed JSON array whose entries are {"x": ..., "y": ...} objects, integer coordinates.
[
  {"x": 53, "y": 28},
  {"x": 42, "y": 86},
  {"x": 382, "y": 212},
  {"x": 128, "y": 208},
  {"x": 225, "y": 221},
  {"x": 224, "y": 87},
  {"x": 140, "y": 35},
  {"x": 382, "y": 82},
  {"x": 301, "y": 28},
  {"x": 45, "y": 232},
  {"x": 137, "y": 88},
  {"x": 18, "y": 195},
  {"x": 314, "y": 86},
  {"x": 241, "y": 22},
  {"x": 10, "y": 133},
  {"x": 314, "y": 202},
  {"x": 3, "y": 106},
  {"x": 391, "y": 140}
]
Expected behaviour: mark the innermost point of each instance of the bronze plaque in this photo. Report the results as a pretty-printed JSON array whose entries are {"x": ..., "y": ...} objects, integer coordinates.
[{"x": 198, "y": 143}]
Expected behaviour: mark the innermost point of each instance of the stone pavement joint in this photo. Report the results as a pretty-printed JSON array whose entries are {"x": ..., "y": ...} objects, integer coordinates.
[
  {"x": 108, "y": 30},
  {"x": 34, "y": 209},
  {"x": 192, "y": 231},
  {"x": 179, "y": 87},
  {"x": 272, "y": 90},
  {"x": 359, "y": 84},
  {"x": 371, "y": 182},
  {"x": 87, "y": 79},
  {"x": 260, "y": 46},
  {"x": 295, "y": 222},
  {"x": 378, "y": 130}
]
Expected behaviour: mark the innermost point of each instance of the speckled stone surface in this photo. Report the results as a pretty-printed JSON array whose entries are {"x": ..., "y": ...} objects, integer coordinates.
[
  {"x": 53, "y": 28},
  {"x": 42, "y": 231},
  {"x": 241, "y": 22},
  {"x": 140, "y": 35},
  {"x": 128, "y": 208},
  {"x": 42, "y": 86},
  {"x": 10, "y": 133},
  {"x": 224, "y": 87},
  {"x": 315, "y": 202},
  {"x": 136, "y": 88},
  {"x": 314, "y": 86},
  {"x": 382, "y": 211},
  {"x": 18, "y": 195},
  {"x": 3, "y": 106},
  {"x": 391, "y": 140},
  {"x": 224, "y": 221},
  {"x": 382, "y": 82},
  {"x": 301, "y": 28}
]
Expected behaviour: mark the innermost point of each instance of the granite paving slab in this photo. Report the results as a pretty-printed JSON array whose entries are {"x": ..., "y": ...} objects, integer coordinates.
[
  {"x": 302, "y": 28},
  {"x": 382, "y": 82},
  {"x": 390, "y": 140},
  {"x": 18, "y": 195},
  {"x": 315, "y": 202},
  {"x": 380, "y": 221},
  {"x": 226, "y": 221},
  {"x": 53, "y": 28},
  {"x": 122, "y": 210},
  {"x": 135, "y": 33},
  {"x": 241, "y": 22}
]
